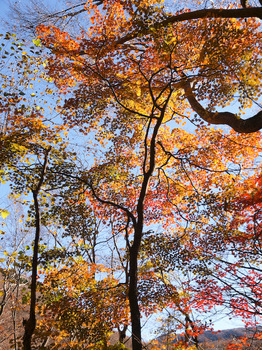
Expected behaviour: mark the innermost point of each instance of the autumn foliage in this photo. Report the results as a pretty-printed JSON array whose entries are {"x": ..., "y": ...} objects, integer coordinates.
[{"x": 156, "y": 205}]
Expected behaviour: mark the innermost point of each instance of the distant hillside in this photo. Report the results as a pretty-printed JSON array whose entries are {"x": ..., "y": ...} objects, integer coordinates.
[
  {"x": 209, "y": 340},
  {"x": 226, "y": 334},
  {"x": 219, "y": 339}
]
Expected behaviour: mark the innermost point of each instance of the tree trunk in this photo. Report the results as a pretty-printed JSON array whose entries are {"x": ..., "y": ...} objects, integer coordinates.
[
  {"x": 133, "y": 301},
  {"x": 133, "y": 292},
  {"x": 30, "y": 324}
]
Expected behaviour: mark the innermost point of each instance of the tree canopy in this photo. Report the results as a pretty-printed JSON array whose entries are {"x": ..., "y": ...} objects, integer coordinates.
[{"x": 153, "y": 207}]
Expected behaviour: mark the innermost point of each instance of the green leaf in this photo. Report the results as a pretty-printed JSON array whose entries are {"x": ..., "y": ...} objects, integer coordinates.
[{"x": 37, "y": 42}]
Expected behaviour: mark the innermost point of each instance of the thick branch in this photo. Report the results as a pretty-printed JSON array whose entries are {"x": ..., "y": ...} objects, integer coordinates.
[
  {"x": 244, "y": 126},
  {"x": 187, "y": 16}
]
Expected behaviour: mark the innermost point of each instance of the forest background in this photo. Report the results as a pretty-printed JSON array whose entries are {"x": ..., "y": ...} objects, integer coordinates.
[{"x": 127, "y": 200}]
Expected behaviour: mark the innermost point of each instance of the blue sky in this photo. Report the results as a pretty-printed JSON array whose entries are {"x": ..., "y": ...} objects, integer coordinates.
[
  {"x": 3, "y": 11},
  {"x": 223, "y": 323}
]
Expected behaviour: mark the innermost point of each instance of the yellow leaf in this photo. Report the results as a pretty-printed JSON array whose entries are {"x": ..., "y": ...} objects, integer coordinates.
[{"x": 4, "y": 213}]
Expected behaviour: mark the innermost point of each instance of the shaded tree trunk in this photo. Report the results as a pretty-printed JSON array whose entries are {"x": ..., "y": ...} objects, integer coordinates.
[
  {"x": 30, "y": 323},
  {"x": 133, "y": 299}
]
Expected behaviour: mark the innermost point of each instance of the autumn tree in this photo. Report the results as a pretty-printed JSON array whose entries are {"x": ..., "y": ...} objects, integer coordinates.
[
  {"x": 30, "y": 177},
  {"x": 25, "y": 138},
  {"x": 33, "y": 158},
  {"x": 144, "y": 84}
]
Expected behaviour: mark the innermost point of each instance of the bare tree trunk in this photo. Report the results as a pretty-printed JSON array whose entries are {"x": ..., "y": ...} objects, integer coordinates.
[
  {"x": 133, "y": 299},
  {"x": 30, "y": 324}
]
